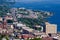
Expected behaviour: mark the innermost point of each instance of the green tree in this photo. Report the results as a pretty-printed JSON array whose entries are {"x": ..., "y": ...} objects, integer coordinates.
[
  {"x": 5, "y": 7},
  {"x": 4, "y": 36},
  {"x": 35, "y": 39}
]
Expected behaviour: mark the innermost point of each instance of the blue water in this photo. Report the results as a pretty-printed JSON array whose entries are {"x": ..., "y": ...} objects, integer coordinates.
[{"x": 51, "y": 7}]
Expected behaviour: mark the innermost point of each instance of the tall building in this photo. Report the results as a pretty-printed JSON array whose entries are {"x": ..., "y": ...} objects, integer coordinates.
[{"x": 51, "y": 28}]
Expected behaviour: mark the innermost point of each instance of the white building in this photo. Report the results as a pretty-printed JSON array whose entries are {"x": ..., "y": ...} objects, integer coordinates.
[
  {"x": 1, "y": 19},
  {"x": 51, "y": 28},
  {"x": 21, "y": 25}
]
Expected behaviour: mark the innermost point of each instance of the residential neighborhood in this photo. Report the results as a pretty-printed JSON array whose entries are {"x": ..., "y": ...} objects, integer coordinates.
[{"x": 14, "y": 25}]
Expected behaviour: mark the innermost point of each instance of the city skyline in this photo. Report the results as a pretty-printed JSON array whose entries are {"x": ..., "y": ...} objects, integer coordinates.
[{"x": 30, "y": 20}]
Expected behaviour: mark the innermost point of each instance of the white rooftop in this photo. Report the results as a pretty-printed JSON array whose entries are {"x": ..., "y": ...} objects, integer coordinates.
[{"x": 19, "y": 24}]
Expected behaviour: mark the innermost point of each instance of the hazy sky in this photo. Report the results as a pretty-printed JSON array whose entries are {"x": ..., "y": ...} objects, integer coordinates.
[
  {"x": 35, "y": 0},
  {"x": 25, "y": 1}
]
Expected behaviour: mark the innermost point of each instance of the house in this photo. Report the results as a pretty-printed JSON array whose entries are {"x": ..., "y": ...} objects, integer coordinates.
[
  {"x": 26, "y": 13},
  {"x": 47, "y": 38},
  {"x": 1, "y": 25},
  {"x": 1, "y": 19},
  {"x": 9, "y": 17},
  {"x": 26, "y": 36},
  {"x": 21, "y": 25},
  {"x": 28, "y": 29}
]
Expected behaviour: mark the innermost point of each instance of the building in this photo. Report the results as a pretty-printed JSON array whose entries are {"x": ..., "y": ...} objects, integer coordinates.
[
  {"x": 38, "y": 27},
  {"x": 27, "y": 29},
  {"x": 9, "y": 17},
  {"x": 1, "y": 19},
  {"x": 51, "y": 28},
  {"x": 21, "y": 25},
  {"x": 47, "y": 38},
  {"x": 1, "y": 25},
  {"x": 26, "y": 13},
  {"x": 26, "y": 36}
]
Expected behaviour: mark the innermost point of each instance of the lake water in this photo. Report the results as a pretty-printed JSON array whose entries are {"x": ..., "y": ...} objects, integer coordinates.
[{"x": 51, "y": 7}]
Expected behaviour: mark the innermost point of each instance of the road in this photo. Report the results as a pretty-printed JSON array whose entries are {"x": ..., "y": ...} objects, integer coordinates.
[{"x": 13, "y": 12}]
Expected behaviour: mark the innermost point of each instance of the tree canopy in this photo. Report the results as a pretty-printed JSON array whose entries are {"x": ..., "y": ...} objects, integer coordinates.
[{"x": 4, "y": 7}]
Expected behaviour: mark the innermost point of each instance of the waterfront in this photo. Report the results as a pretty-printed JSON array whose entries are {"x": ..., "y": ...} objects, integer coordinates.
[
  {"x": 51, "y": 7},
  {"x": 27, "y": 20}
]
